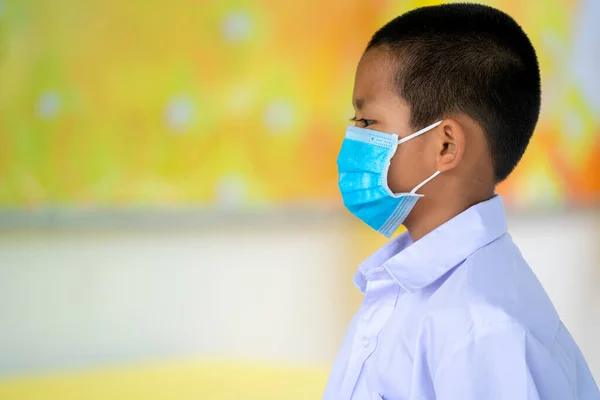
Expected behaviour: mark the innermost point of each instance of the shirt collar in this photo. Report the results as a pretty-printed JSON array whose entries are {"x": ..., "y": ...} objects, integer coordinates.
[{"x": 416, "y": 265}]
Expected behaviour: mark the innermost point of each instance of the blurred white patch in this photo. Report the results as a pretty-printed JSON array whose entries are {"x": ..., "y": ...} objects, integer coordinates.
[
  {"x": 231, "y": 192},
  {"x": 236, "y": 26},
  {"x": 240, "y": 99},
  {"x": 538, "y": 188},
  {"x": 279, "y": 116},
  {"x": 573, "y": 125},
  {"x": 179, "y": 113},
  {"x": 48, "y": 104},
  {"x": 554, "y": 45},
  {"x": 585, "y": 57}
]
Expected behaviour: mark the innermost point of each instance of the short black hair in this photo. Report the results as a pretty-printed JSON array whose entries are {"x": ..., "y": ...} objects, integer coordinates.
[{"x": 472, "y": 59}]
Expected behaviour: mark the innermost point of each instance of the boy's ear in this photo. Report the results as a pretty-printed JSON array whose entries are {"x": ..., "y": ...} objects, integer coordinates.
[{"x": 451, "y": 144}]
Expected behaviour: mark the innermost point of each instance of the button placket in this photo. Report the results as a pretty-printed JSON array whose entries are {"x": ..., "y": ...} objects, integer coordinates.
[{"x": 378, "y": 304}]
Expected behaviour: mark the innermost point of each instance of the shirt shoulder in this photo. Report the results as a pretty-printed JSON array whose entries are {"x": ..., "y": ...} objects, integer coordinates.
[{"x": 493, "y": 286}]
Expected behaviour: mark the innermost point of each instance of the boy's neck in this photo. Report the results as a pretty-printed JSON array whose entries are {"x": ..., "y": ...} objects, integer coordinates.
[{"x": 425, "y": 218}]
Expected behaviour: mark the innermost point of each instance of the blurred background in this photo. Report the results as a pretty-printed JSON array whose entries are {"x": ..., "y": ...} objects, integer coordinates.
[{"x": 170, "y": 225}]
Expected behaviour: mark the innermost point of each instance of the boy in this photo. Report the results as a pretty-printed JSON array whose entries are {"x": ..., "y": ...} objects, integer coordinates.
[{"x": 451, "y": 309}]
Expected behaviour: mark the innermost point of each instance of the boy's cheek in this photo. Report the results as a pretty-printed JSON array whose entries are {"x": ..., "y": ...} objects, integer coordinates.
[
  {"x": 413, "y": 162},
  {"x": 399, "y": 175},
  {"x": 408, "y": 168}
]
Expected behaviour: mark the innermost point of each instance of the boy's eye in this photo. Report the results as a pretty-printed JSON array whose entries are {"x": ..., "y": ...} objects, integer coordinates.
[{"x": 363, "y": 122}]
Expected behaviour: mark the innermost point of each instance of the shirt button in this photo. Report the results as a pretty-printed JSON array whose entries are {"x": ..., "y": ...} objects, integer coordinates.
[{"x": 365, "y": 342}]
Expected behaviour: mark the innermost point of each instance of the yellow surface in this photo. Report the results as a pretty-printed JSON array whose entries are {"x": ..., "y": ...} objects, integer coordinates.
[
  {"x": 172, "y": 381},
  {"x": 112, "y": 102}
]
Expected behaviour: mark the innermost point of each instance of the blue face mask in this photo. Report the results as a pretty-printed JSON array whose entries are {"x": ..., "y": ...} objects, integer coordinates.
[{"x": 363, "y": 165}]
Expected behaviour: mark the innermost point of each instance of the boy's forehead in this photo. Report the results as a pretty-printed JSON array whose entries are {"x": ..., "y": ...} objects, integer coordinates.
[{"x": 374, "y": 77}]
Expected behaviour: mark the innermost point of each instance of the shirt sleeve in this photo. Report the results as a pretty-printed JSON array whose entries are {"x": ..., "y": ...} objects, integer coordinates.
[{"x": 490, "y": 363}]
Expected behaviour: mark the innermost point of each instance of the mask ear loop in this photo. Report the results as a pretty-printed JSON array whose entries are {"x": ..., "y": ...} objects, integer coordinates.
[
  {"x": 419, "y": 186},
  {"x": 414, "y": 135},
  {"x": 417, "y": 133}
]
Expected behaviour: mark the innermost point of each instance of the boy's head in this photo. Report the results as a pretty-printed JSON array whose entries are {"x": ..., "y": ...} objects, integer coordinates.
[{"x": 469, "y": 65}]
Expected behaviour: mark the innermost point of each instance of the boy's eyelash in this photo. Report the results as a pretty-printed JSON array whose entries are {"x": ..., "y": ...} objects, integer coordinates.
[{"x": 365, "y": 122}]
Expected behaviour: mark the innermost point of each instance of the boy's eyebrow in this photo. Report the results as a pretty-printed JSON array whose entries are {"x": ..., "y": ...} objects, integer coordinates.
[{"x": 359, "y": 103}]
